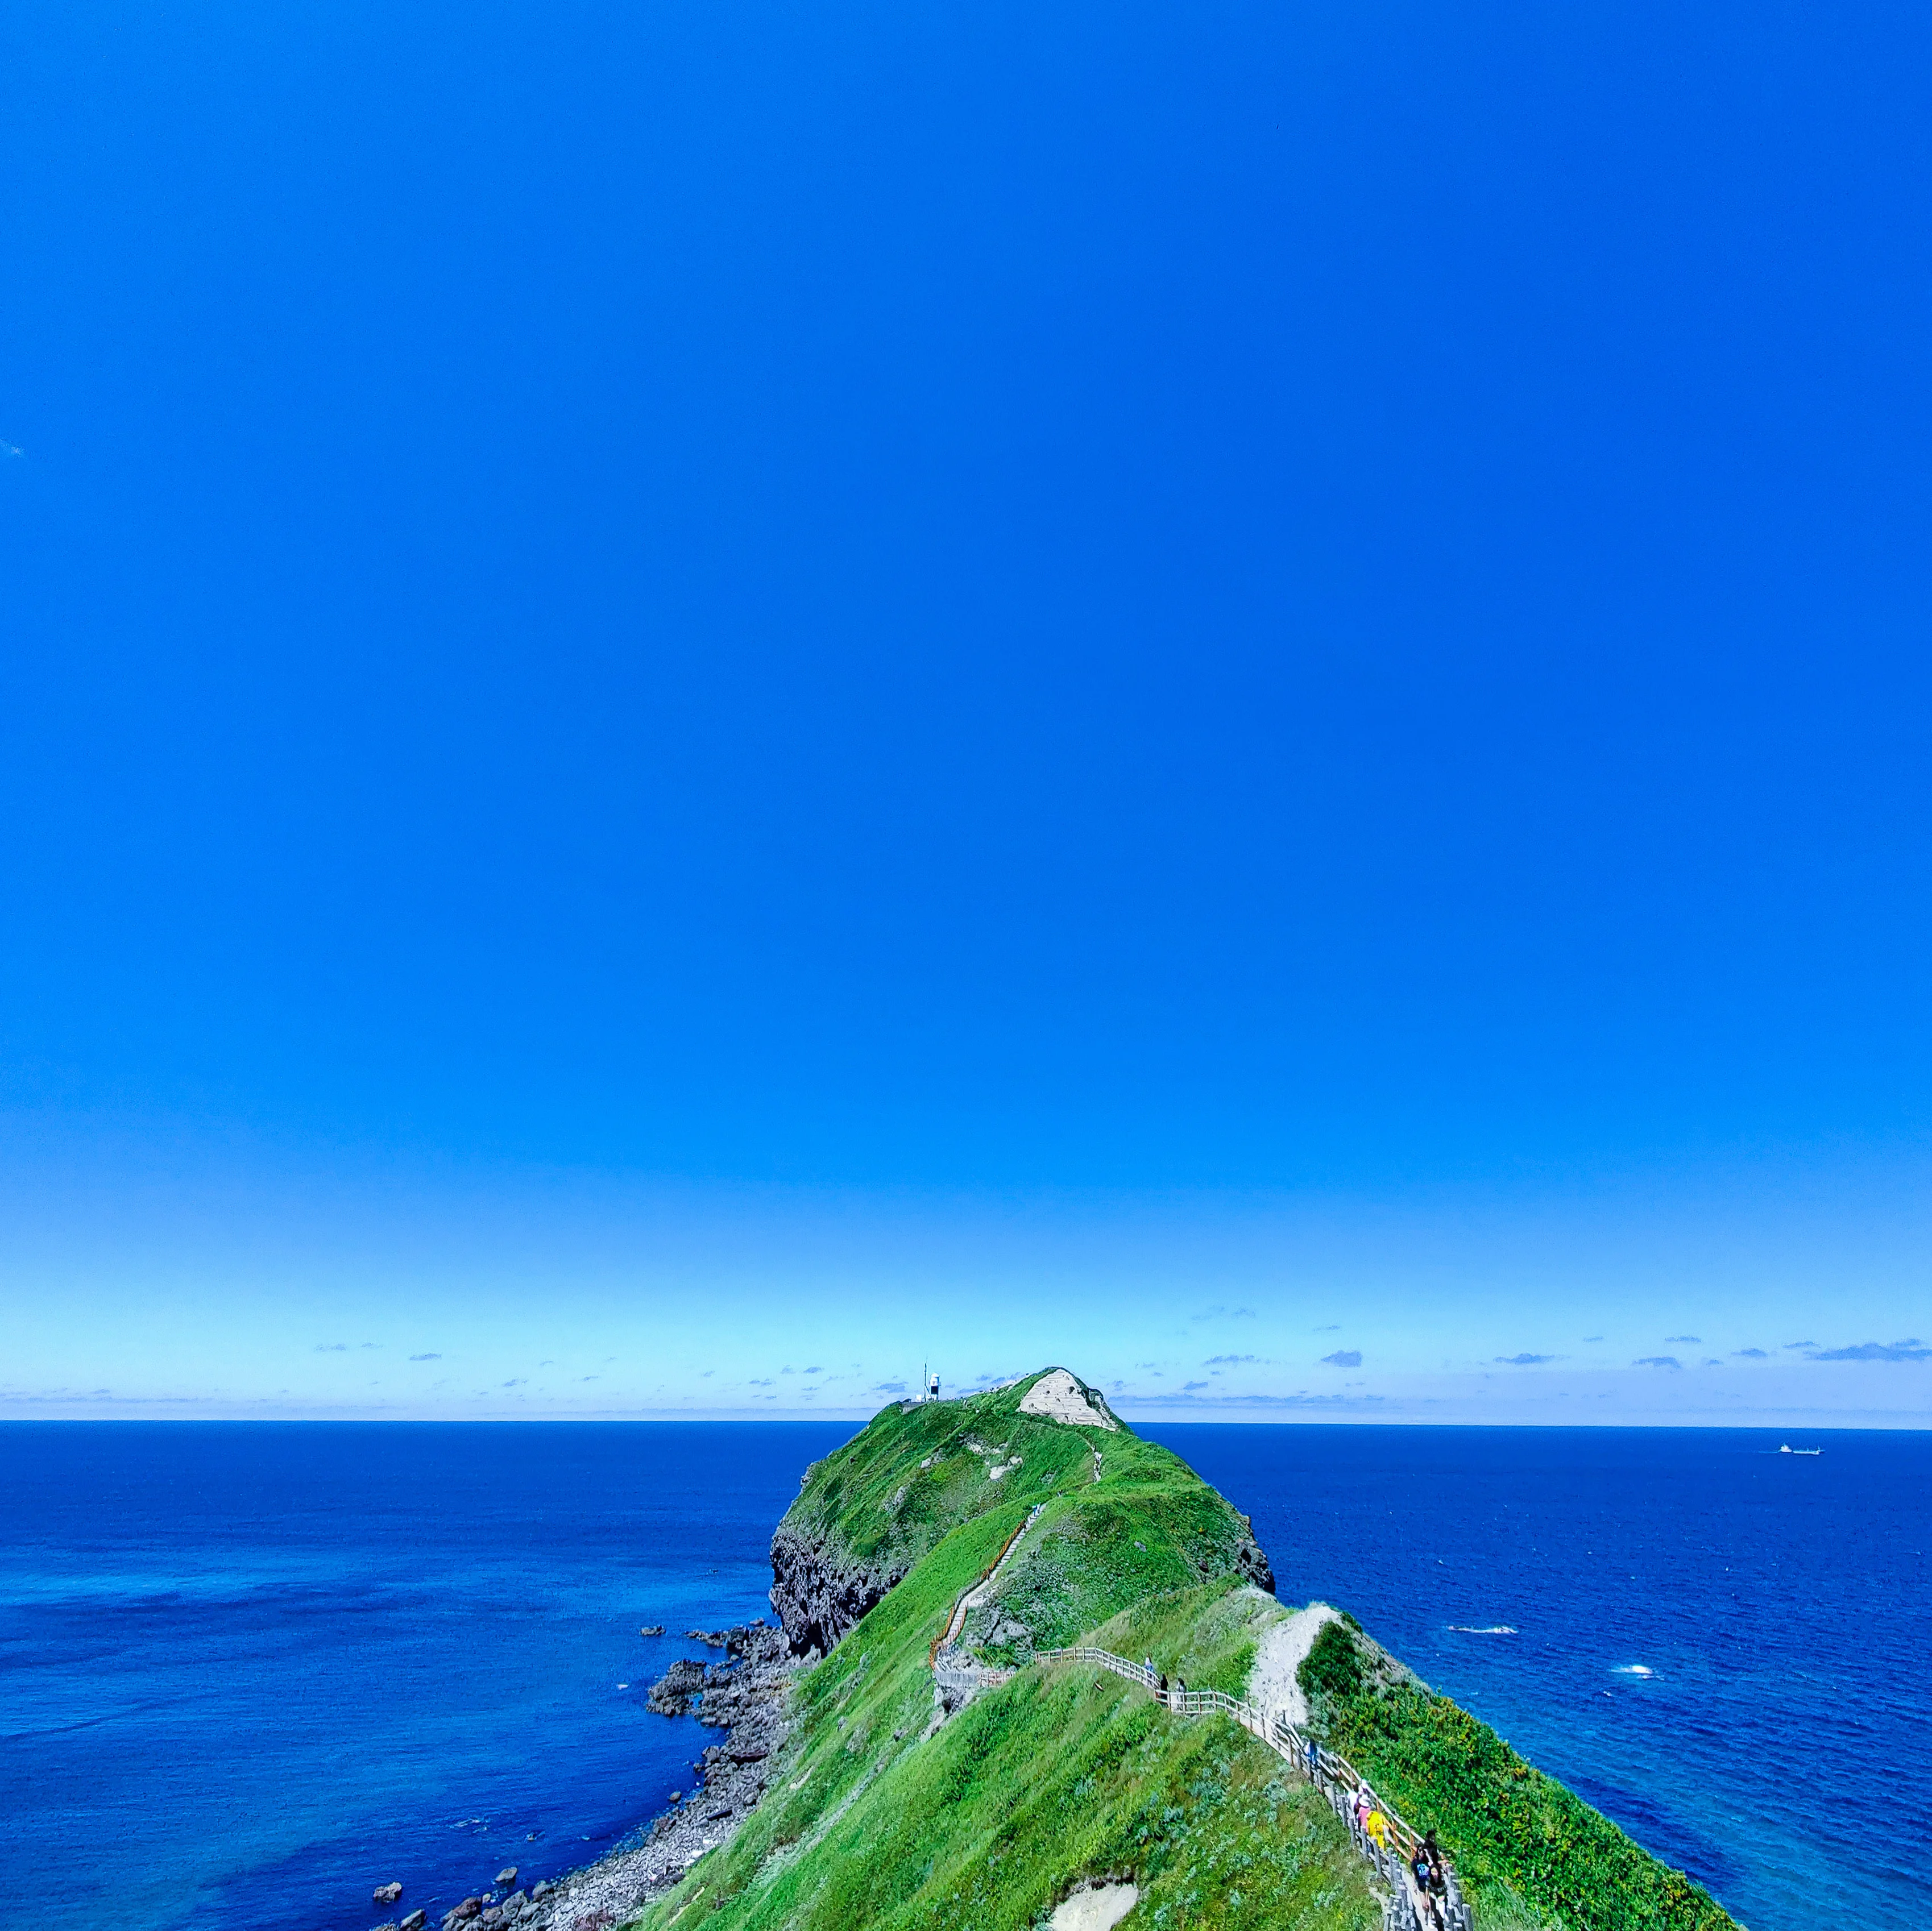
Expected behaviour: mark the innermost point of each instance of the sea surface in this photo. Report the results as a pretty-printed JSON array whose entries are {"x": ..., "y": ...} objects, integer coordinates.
[{"x": 248, "y": 1672}]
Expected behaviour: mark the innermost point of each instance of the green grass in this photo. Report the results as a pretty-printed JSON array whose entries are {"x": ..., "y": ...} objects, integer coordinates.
[
  {"x": 1065, "y": 1772},
  {"x": 913, "y": 1475},
  {"x": 875, "y": 1819},
  {"x": 1527, "y": 1850}
]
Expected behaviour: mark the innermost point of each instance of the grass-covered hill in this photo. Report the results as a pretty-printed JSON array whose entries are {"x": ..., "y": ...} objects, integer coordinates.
[
  {"x": 886, "y": 1812},
  {"x": 867, "y": 1514}
]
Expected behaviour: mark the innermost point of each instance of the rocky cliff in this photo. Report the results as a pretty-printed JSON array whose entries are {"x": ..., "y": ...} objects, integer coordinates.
[{"x": 819, "y": 1588}]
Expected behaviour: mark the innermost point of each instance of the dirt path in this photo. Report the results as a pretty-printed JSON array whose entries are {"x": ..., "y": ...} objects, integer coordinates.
[{"x": 1271, "y": 1683}]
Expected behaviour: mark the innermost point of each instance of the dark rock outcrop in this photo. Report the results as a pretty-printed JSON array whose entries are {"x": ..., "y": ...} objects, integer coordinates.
[
  {"x": 678, "y": 1689},
  {"x": 1251, "y": 1559},
  {"x": 388, "y": 1893},
  {"x": 819, "y": 1591}
]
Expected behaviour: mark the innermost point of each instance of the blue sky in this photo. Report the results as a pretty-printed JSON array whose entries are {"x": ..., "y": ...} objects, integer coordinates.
[{"x": 701, "y": 701}]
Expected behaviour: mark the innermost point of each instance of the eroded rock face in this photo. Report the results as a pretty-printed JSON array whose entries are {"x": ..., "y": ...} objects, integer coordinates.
[
  {"x": 819, "y": 1592},
  {"x": 1251, "y": 1559},
  {"x": 1058, "y": 1397}
]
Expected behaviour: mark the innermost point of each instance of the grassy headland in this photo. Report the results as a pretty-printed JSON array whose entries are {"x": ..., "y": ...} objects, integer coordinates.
[{"x": 883, "y": 1815}]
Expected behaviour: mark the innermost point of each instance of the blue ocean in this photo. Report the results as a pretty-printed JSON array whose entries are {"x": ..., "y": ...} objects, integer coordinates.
[{"x": 248, "y": 1672}]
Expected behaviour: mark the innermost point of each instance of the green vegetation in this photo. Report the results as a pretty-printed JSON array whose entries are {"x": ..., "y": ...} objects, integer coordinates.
[
  {"x": 917, "y": 1473},
  {"x": 881, "y": 1816},
  {"x": 879, "y": 1819},
  {"x": 1527, "y": 1850}
]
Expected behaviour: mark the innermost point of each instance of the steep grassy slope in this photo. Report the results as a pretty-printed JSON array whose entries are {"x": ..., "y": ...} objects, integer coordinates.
[
  {"x": 867, "y": 1514},
  {"x": 879, "y": 1818},
  {"x": 1513, "y": 1832},
  {"x": 882, "y": 1816}
]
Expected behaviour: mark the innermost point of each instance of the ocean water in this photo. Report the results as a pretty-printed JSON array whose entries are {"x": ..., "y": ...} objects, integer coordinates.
[{"x": 249, "y": 1671}]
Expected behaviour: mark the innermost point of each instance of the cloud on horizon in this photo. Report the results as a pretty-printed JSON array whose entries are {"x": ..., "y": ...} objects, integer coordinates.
[
  {"x": 1343, "y": 1357},
  {"x": 1657, "y": 1361},
  {"x": 1873, "y": 1350},
  {"x": 1523, "y": 1360}
]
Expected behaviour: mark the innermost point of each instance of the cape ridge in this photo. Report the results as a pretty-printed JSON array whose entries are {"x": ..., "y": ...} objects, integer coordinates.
[{"x": 1030, "y": 1672}]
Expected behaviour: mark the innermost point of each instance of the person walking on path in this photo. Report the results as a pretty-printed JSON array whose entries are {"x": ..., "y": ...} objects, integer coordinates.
[{"x": 1422, "y": 1869}]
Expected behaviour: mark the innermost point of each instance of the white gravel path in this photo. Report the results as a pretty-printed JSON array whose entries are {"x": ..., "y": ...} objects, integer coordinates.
[
  {"x": 1099, "y": 1909},
  {"x": 1271, "y": 1683}
]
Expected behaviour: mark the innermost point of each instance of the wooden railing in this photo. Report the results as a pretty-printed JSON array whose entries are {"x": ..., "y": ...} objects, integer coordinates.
[
  {"x": 956, "y": 1618},
  {"x": 1379, "y": 1834}
]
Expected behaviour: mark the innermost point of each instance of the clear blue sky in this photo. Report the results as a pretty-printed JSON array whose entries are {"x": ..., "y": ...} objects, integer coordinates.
[{"x": 1235, "y": 693}]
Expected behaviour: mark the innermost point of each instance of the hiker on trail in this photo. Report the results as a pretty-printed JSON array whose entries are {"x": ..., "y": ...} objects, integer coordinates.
[
  {"x": 1438, "y": 1884},
  {"x": 1146, "y": 1669},
  {"x": 1365, "y": 1802},
  {"x": 1377, "y": 1829},
  {"x": 1422, "y": 1868},
  {"x": 1314, "y": 1758},
  {"x": 1163, "y": 1686}
]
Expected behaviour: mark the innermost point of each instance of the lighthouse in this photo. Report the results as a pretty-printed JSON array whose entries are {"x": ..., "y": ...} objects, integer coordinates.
[{"x": 932, "y": 1389}]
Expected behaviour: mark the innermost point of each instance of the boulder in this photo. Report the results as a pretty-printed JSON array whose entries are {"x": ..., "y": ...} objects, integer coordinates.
[
  {"x": 388, "y": 1893},
  {"x": 415, "y": 1920},
  {"x": 461, "y": 1913},
  {"x": 679, "y": 1686},
  {"x": 506, "y": 1877},
  {"x": 652, "y": 1629}
]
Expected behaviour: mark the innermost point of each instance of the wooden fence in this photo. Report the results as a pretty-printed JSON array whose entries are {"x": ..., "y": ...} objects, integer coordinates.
[{"x": 1378, "y": 1832}]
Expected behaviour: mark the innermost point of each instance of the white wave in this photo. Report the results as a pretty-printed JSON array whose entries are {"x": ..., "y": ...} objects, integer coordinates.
[
  {"x": 1634, "y": 1669},
  {"x": 1488, "y": 1629}
]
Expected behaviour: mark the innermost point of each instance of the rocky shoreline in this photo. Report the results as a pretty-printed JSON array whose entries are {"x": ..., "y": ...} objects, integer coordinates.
[{"x": 746, "y": 1696}]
